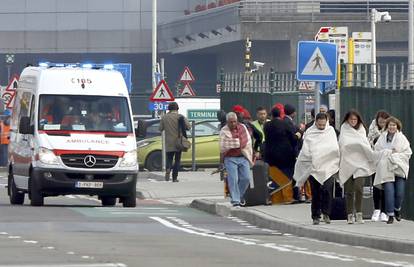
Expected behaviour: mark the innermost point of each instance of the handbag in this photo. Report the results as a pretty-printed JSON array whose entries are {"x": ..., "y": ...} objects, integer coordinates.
[{"x": 182, "y": 143}]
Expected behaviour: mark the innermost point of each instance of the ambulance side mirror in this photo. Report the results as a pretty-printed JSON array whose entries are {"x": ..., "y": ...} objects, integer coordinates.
[
  {"x": 24, "y": 126},
  {"x": 141, "y": 130}
]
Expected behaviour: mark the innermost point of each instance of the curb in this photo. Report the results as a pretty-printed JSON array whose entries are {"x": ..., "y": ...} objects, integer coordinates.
[{"x": 263, "y": 220}]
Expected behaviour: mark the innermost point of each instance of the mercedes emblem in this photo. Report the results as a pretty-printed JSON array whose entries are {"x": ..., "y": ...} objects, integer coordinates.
[{"x": 89, "y": 161}]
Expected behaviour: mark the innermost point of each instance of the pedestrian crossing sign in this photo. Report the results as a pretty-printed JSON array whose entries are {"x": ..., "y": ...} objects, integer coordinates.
[
  {"x": 162, "y": 93},
  {"x": 317, "y": 61}
]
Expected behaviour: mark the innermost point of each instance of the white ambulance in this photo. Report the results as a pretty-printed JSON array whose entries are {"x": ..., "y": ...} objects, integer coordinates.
[{"x": 72, "y": 133}]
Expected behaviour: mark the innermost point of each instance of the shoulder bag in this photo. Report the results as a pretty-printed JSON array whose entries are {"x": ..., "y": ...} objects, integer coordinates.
[{"x": 182, "y": 143}]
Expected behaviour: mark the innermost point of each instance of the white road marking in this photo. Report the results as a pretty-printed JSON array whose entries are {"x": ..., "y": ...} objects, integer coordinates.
[
  {"x": 173, "y": 226},
  {"x": 49, "y": 248},
  {"x": 71, "y": 265},
  {"x": 30, "y": 241},
  {"x": 14, "y": 237},
  {"x": 3, "y": 185},
  {"x": 70, "y": 253},
  {"x": 3, "y": 233},
  {"x": 281, "y": 247}
]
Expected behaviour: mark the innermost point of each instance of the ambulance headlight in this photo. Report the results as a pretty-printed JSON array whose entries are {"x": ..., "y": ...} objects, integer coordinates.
[
  {"x": 47, "y": 156},
  {"x": 129, "y": 159}
]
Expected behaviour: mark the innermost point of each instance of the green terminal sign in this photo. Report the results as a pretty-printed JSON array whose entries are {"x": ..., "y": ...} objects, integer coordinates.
[{"x": 202, "y": 114}]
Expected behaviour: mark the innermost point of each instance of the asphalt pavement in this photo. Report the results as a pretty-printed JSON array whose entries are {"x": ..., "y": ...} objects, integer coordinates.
[{"x": 76, "y": 231}]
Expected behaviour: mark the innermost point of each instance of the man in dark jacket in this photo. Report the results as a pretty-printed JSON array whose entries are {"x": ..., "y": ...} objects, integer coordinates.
[{"x": 280, "y": 144}]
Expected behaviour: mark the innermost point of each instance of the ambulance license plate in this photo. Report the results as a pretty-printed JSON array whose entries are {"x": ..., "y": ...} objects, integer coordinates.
[{"x": 89, "y": 185}]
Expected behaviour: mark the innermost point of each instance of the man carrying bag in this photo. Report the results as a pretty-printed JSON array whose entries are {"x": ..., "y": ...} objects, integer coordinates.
[{"x": 175, "y": 139}]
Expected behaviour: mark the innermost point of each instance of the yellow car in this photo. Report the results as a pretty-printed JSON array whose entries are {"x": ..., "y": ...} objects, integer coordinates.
[{"x": 207, "y": 151}]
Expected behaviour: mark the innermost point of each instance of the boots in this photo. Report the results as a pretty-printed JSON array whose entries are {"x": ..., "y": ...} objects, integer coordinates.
[{"x": 167, "y": 175}]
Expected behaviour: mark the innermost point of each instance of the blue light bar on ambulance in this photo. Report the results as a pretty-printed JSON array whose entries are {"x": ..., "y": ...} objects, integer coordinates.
[
  {"x": 75, "y": 65},
  {"x": 87, "y": 66},
  {"x": 108, "y": 67}
]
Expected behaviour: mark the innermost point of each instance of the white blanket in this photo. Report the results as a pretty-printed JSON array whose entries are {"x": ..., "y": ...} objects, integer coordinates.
[
  {"x": 357, "y": 156},
  {"x": 318, "y": 157},
  {"x": 394, "y": 160}
]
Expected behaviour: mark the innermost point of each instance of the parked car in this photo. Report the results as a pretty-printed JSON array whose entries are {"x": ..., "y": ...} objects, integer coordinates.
[
  {"x": 207, "y": 151},
  {"x": 148, "y": 128}
]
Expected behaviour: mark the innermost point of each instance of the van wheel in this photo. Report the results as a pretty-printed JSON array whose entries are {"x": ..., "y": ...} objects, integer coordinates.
[
  {"x": 16, "y": 197},
  {"x": 154, "y": 161},
  {"x": 36, "y": 197},
  {"x": 130, "y": 201},
  {"x": 108, "y": 201}
]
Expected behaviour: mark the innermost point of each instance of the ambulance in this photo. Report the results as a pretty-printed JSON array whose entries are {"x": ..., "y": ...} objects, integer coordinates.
[{"x": 72, "y": 133}]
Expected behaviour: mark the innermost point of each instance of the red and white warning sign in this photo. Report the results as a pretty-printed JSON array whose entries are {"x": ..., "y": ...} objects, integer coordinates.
[
  {"x": 187, "y": 76},
  {"x": 162, "y": 93},
  {"x": 187, "y": 90},
  {"x": 307, "y": 86},
  {"x": 8, "y": 95}
]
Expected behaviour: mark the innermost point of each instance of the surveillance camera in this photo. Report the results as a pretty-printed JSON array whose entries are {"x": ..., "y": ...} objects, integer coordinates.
[
  {"x": 258, "y": 64},
  {"x": 386, "y": 17}
]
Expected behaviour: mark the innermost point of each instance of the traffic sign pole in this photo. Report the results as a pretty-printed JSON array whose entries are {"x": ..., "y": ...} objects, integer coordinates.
[{"x": 317, "y": 97}]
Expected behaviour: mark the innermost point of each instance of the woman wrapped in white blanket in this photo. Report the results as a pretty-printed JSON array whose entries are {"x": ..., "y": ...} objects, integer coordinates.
[
  {"x": 357, "y": 163},
  {"x": 393, "y": 166}
]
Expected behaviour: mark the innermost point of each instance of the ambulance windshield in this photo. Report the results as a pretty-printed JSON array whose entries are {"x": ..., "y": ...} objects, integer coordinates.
[{"x": 84, "y": 113}]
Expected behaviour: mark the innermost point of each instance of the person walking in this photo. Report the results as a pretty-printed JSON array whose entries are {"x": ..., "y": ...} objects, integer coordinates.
[
  {"x": 173, "y": 123},
  {"x": 375, "y": 129},
  {"x": 357, "y": 163},
  {"x": 237, "y": 152},
  {"x": 318, "y": 160},
  {"x": 393, "y": 166},
  {"x": 4, "y": 137},
  {"x": 258, "y": 125},
  {"x": 290, "y": 114}
]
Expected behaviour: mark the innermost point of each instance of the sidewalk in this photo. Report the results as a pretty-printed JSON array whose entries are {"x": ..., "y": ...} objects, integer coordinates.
[{"x": 205, "y": 192}]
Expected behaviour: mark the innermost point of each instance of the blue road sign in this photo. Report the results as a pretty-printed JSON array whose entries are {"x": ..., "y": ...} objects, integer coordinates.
[
  {"x": 155, "y": 106},
  {"x": 316, "y": 61},
  {"x": 126, "y": 70}
]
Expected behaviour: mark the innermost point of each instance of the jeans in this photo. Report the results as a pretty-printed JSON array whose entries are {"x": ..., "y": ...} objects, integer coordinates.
[
  {"x": 394, "y": 194},
  {"x": 177, "y": 163},
  {"x": 353, "y": 194},
  {"x": 238, "y": 177},
  {"x": 321, "y": 197}
]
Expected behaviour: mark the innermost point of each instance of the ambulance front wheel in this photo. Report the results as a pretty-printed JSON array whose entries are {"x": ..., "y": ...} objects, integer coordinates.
[
  {"x": 36, "y": 197},
  {"x": 130, "y": 201}
]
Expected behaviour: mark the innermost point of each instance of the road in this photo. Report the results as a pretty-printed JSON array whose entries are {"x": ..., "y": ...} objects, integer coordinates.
[{"x": 77, "y": 231}]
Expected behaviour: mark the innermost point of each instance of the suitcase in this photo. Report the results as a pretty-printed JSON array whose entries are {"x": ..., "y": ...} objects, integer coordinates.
[
  {"x": 338, "y": 206},
  {"x": 257, "y": 193}
]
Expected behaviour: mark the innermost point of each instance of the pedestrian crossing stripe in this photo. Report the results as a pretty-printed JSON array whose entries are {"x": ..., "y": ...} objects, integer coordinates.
[
  {"x": 162, "y": 93},
  {"x": 317, "y": 65}
]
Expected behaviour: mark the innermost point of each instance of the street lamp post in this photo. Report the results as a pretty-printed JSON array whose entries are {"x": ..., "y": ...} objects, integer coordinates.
[{"x": 376, "y": 16}]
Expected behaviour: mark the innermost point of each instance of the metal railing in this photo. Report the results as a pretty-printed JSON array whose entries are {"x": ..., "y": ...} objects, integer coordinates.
[
  {"x": 391, "y": 76},
  {"x": 314, "y": 11},
  {"x": 260, "y": 82}
]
